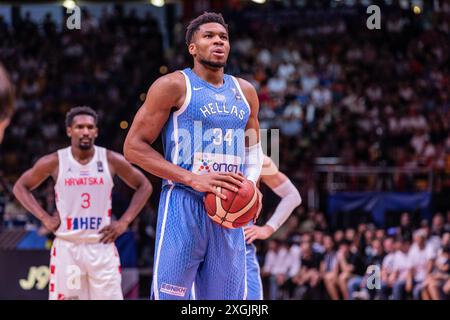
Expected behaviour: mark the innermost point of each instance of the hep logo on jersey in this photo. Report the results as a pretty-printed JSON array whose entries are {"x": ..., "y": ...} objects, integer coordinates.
[{"x": 83, "y": 223}]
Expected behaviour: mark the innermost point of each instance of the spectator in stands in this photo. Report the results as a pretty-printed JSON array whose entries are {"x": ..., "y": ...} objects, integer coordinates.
[
  {"x": 349, "y": 265},
  {"x": 406, "y": 227},
  {"x": 446, "y": 289},
  {"x": 279, "y": 279},
  {"x": 287, "y": 229},
  {"x": 318, "y": 237},
  {"x": 387, "y": 268},
  {"x": 420, "y": 256},
  {"x": 308, "y": 277},
  {"x": 15, "y": 214},
  {"x": 308, "y": 224},
  {"x": 329, "y": 268},
  {"x": 447, "y": 223},
  {"x": 270, "y": 258},
  {"x": 357, "y": 286},
  {"x": 435, "y": 234},
  {"x": 401, "y": 277},
  {"x": 440, "y": 273}
]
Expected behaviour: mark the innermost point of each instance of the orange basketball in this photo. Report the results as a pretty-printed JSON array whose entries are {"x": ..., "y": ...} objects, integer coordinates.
[{"x": 237, "y": 210}]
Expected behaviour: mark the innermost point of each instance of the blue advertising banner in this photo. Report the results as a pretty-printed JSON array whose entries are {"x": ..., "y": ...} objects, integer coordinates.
[{"x": 378, "y": 203}]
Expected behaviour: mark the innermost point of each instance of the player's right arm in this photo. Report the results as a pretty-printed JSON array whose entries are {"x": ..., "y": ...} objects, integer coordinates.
[
  {"x": 164, "y": 94},
  {"x": 31, "y": 179}
]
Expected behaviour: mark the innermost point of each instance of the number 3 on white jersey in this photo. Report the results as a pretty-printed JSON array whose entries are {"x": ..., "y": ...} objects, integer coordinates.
[{"x": 86, "y": 200}]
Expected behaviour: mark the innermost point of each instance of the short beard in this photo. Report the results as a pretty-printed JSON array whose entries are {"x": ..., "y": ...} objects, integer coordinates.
[
  {"x": 214, "y": 65},
  {"x": 85, "y": 147}
]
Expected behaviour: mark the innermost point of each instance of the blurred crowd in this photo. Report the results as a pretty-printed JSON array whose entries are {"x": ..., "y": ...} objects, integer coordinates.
[{"x": 305, "y": 260}]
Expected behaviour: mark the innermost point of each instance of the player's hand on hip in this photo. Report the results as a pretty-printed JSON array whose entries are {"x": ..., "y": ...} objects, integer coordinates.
[
  {"x": 113, "y": 231},
  {"x": 256, "y": 232},
  {"x": 210, "y": 181},
  {"x": 52, "y": 222}
]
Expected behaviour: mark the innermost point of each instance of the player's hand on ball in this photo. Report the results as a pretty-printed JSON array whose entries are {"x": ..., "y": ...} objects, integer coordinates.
[
  {"x": 256, "y": 232},
  {"x": 113, "y": 231},
  {"x": 52, "y": 222},
  {"x": 210, "y": 181}
]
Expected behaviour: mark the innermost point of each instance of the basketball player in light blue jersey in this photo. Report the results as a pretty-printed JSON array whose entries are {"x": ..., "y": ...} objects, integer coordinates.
[
  {"x": 210, "y": 131},
  {"x": 280, "y": 184}
]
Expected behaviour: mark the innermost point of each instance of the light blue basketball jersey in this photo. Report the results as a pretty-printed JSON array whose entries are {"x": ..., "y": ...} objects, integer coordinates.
[{"x": 207, "y": 133}]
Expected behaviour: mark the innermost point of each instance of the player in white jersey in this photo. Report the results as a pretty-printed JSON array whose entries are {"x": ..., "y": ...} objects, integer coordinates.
[
  {"x": 290, "y": 199},
  {"x": 84, "y": 261},
  {"x": 6, "y": 101}
]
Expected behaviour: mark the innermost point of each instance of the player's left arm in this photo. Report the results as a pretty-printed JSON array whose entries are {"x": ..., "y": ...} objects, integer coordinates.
[
  {"x": 253, "y": 150},
  {"x": 135, "y": 180},
  {"x": 290, "y": 199}
]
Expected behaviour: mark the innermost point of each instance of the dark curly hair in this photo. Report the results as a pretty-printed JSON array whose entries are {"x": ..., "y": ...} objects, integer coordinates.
[
  {"x": 206, "y": 17},
  {"x": 83, "y": 110}
]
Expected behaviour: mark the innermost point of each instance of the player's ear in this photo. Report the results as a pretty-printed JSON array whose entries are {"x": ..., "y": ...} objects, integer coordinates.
[
  {"x": 3, "y": 124},
  {"x": 69, "y": 132},
  {"x": 192, "y": 49},
  {"x": 96, "y": 132}
]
